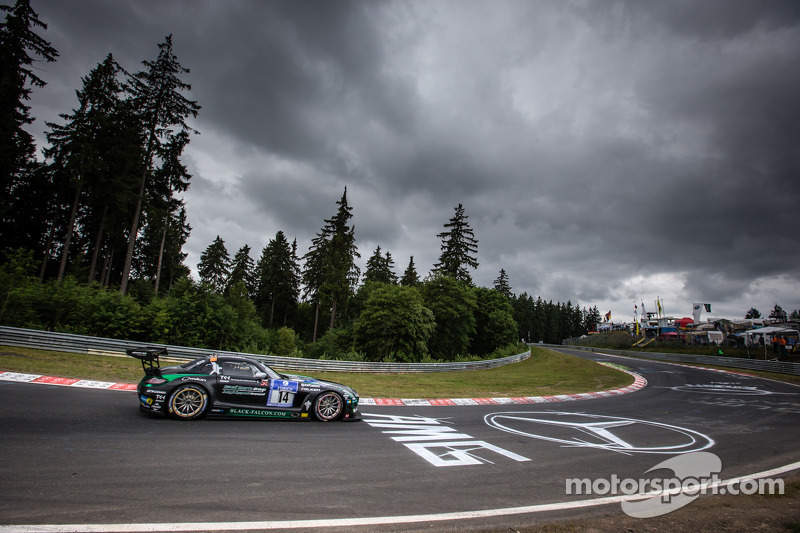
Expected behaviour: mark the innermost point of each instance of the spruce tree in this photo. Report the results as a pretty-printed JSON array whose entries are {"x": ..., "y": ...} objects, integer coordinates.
[
  {"x": 163, "y": 113},
  {"x": 314, "y": 273},
  {"x": 341, "y": 271},
  {"x": 278, "y": 281},
  {"x": 243, "y": 269},
  {"x": 389, "y": 267},
  {"x": 163, "y": 210},
  {"x": 19, "y": 46},
  {"x": 380, "y": 268},
  {"x": 501, "y": 284},
  {"x": 215, "y": 266},
  {"x": 778, "y": 314},
  {"x": 459, "y": 248},
  {"x": 410, "y": 277},
  {"x": 85, "y": 150},
  {"x": 752, "y": 313}
]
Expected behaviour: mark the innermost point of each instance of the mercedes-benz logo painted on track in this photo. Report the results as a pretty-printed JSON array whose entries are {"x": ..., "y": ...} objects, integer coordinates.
[
  {"x": 728, "y": 388},
  {"x": 616, "y": 434}
]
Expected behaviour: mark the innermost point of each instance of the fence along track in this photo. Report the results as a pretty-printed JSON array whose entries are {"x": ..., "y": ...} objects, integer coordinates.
[{"x": 67, "y": 342}]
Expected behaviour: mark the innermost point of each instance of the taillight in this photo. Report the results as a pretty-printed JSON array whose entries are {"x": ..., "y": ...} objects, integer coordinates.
[{"x": 155, "y": 381}]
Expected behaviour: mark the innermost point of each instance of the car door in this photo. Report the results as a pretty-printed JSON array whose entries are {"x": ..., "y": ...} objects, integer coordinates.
[
  {"x": 282, "y": 393},
  {"x": 241, "y": 383}
]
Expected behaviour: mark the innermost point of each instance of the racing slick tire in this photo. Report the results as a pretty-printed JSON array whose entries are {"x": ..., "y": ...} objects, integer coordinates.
[
  {"x": 188, "y": 402},
  {"x": 328, "y": 406}
]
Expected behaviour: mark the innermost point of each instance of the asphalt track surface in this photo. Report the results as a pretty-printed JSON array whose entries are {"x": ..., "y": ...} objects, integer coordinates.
[{"x": 89, "y": 459}]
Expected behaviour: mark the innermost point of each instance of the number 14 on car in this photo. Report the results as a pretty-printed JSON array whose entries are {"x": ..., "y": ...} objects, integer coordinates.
[{"x": 281, "y": 393}]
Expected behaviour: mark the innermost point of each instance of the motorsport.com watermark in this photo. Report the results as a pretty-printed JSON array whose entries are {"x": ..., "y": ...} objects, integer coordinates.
[{"x": 694, "y": 474}]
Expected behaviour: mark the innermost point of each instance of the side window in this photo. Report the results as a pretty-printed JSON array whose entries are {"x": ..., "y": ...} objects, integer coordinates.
[{"x": 237, "y": 369}]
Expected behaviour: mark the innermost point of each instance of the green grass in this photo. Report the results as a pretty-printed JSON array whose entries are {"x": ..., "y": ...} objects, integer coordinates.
[
  {"x": 545, "y": 373},
  {"x": 70, "y": 365}
]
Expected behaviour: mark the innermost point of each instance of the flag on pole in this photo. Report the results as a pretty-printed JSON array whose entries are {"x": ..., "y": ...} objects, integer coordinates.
[{"x": 697, "y": 309}]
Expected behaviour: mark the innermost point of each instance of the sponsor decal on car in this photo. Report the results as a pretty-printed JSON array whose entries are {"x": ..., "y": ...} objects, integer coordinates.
[
  {"x": 244, "y": 390},
  {"x": 281, "y": 393},
  {"x": 237, "y": 411}
]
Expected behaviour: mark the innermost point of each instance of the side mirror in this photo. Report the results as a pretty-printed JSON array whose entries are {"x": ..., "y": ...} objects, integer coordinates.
[{"x": 261, "y": 375}]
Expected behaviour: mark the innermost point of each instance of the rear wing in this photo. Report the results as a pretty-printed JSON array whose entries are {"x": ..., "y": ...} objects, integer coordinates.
[{"x": 149, "y": 358}]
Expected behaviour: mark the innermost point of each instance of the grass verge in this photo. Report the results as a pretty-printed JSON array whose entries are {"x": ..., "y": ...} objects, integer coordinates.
[{"x": 546, "y": 373}]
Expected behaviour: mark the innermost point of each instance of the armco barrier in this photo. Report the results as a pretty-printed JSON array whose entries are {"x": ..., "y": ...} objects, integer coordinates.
[
  {"x": 66, "y": 342},
  {"x": 782, "y": 367}
]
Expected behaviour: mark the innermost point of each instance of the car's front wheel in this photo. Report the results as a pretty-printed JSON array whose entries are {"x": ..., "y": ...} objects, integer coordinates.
[
  {"x": 328, "y": 406},
  {"x": 188, "y": 402}
]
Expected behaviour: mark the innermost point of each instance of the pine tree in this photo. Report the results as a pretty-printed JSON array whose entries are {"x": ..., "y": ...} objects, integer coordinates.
[
  {"x": 501, "y": 284},
  {"x": 19, "y": 45},
  {"x": 163, "y": 112},
  {"x": 215, "y": 265},
  {"x": 341, "y": 271},
  {"x": 314, "y": 273},
  {"x": 459, "y": 248},
  {"x": 85, "y": 149},
  {"x": 592, "y": 319},
  {"x": 388, "y": 261},
  {"x": 778, "y": 313},
  {"x": 278, "y": 279},
  {"x": 243, "y": 269},
  {"x": 752, "y": 313},
  {"x": 162, "y": 209},
  {"x": 410, "y": 277},
  {"x": 380, "y": 268}
]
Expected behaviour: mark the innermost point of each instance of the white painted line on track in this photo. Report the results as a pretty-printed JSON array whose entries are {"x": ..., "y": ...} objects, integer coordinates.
[{"x": 367, "y": 521}]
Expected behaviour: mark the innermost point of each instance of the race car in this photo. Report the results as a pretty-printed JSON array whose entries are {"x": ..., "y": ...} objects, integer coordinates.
[{"x": 233, "y": 386}]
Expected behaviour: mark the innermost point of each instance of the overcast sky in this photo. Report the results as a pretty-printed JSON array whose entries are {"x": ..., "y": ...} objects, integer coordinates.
[{"x": 606, "y": 152}]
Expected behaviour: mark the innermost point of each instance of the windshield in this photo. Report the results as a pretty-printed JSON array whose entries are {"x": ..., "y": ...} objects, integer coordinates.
[{"x": 191, "y": 364}]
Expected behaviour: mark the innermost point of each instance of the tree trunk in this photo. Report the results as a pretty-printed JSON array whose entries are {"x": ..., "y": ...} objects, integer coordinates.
[
  {"x": 271, "y": 311},
  {"x": 316, "y": 323},
  {"x": 148, "y": 161},
  {"x": 161, "y": 251},
  {"x": 97, "y": 242},
  {"x": 47, "y": 249},
  {"x": 107, "y": 267},
  {"x": 333, "y": 313},
  {"x": 68, "y": 239},
  {"x": 126, "y": 269}
]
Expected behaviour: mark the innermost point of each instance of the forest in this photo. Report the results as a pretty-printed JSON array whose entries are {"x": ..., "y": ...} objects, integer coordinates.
[{"x": 92, "y": 235}]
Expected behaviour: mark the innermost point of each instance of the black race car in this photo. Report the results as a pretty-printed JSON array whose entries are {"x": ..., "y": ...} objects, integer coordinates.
[{"x": 237, "y": 387}]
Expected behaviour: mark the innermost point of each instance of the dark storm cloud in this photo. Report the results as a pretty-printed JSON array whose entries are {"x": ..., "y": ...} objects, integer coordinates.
[
  {"x": 719, "y": 19},
  {"x": 605, "y": 152}
]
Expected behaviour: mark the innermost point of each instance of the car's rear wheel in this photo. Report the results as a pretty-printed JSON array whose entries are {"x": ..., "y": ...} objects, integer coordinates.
[
  {"x": 188, "y": 402},
  {"x": 328, "y": 406}
]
